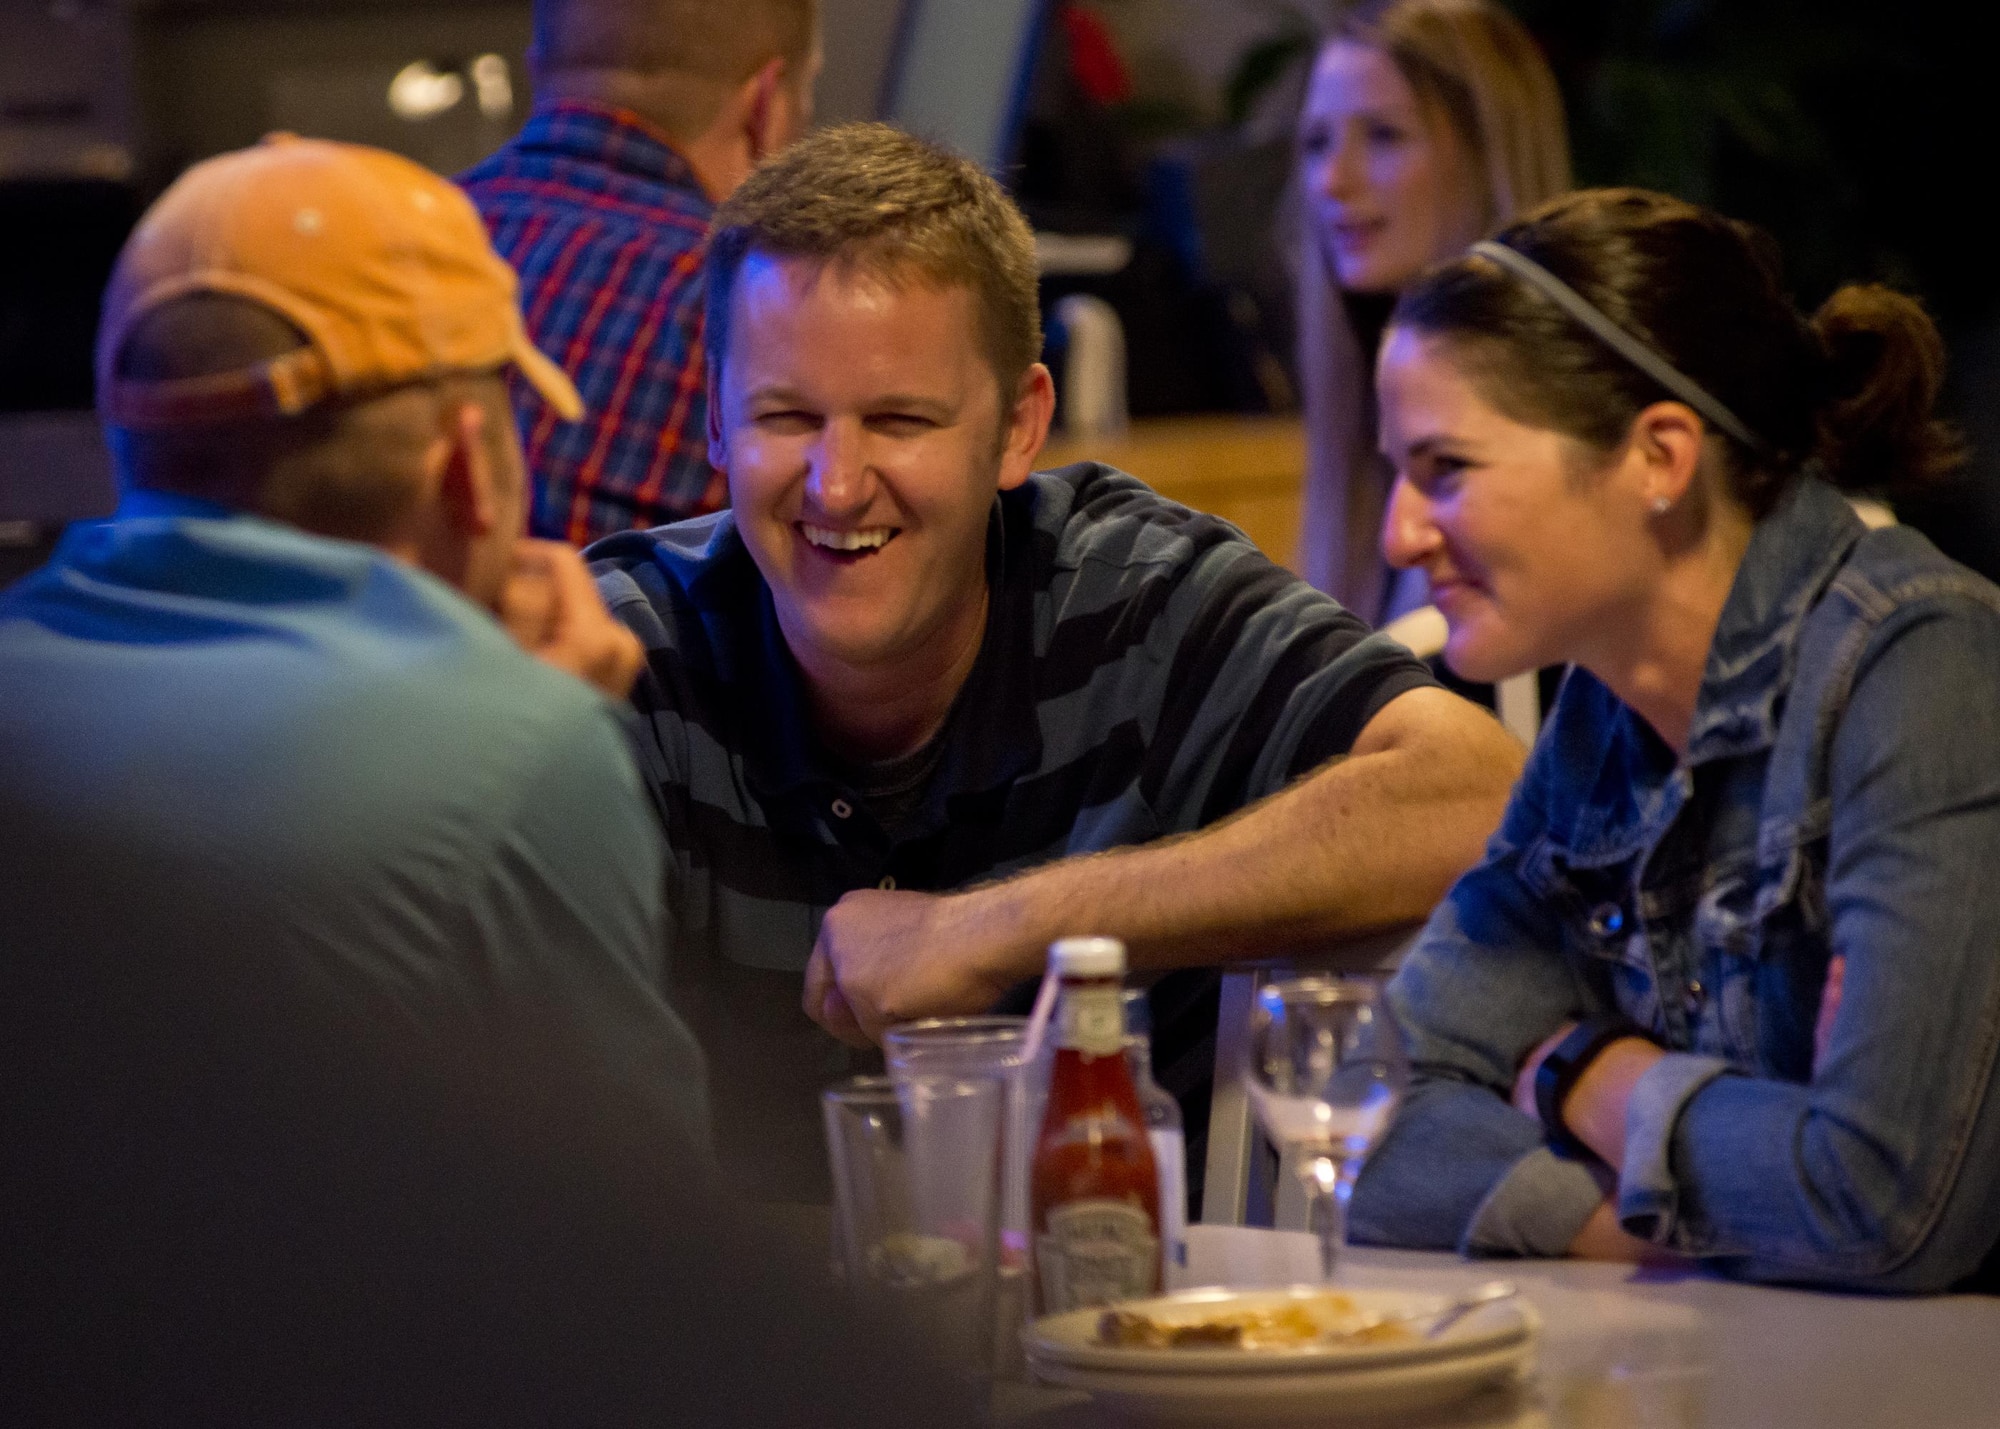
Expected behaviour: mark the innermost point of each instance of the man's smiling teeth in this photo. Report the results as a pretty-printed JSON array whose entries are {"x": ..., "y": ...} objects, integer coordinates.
[{"x": 864, "y": 540}]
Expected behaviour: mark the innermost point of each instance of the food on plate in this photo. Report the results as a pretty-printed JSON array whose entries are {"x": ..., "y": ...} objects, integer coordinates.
[{"x": 1293, "y": 1324}]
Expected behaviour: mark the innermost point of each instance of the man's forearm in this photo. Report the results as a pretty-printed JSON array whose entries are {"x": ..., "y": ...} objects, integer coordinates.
[{"x": 1369, "y": 841}]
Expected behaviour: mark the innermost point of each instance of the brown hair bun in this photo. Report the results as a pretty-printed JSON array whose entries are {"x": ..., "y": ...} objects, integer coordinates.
[{"x": 1885, "y": 366}]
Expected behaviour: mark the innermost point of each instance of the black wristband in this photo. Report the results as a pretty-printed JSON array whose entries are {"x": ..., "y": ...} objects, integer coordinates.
[{"x": 1557, "y": 1076}]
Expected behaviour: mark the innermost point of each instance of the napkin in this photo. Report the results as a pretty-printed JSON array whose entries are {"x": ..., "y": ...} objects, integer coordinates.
[{"x": 1248, "y": 1257}]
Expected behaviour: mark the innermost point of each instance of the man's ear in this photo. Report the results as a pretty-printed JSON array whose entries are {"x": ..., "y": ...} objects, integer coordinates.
[
  {"x": 766, "y": 121},
  {"x": 461, "y": 465},
  {"x": 1027, "y": 428},
  {"x": 718, "y": 443}
]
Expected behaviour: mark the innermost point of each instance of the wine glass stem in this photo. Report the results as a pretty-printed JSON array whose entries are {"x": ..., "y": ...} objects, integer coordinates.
[
  {"x": 1326, "y": 1214},
  {"x": 1326, "y": 1210}
]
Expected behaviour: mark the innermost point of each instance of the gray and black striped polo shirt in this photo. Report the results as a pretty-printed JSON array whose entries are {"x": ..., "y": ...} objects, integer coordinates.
[{"x": 1145, "y": 671}]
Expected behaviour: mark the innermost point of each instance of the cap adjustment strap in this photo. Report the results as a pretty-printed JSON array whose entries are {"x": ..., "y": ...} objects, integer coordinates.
[{"x": 282, "y": 387}]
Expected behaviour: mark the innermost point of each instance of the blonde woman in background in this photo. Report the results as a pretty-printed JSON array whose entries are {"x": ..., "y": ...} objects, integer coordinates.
[{"x": 1427, "y": 125}]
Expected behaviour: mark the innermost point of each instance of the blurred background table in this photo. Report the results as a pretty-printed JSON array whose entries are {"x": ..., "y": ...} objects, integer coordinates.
[{"x": 1250, "y": 471}]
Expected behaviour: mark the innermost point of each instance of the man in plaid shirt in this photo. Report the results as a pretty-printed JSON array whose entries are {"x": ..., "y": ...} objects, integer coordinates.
[{"x": 648, "y": 114}]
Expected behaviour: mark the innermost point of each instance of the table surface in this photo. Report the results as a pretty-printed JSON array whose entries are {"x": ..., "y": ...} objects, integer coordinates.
[{"x": 1629, "y": 1347}]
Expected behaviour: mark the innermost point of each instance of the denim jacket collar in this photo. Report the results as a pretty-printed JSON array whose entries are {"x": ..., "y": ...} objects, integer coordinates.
[
  {"x": 1794, "y": 552},
  {"x": 1628, "y": 782}
]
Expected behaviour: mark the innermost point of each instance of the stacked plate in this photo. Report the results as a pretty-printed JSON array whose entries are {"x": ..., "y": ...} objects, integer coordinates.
[{"x": 1333, "y": 1378}]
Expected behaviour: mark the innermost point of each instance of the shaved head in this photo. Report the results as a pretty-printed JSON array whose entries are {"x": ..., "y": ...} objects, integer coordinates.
[{"x": 711, "y": 45}]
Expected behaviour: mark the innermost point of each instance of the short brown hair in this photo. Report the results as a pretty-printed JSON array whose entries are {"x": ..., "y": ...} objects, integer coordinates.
[
  {"x": 1852, "y": 389},
  {"x": 871, "y": 199},
  {"x": 722, "y": 40}
]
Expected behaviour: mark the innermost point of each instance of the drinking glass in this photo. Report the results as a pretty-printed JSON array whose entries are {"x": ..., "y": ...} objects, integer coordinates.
[
  {"x": 976, "y": 1049},
  {"x": 1326, "y": 1072},
  {"x": 986, "y": 1049},
  {"x": 915, "y": 1203}
]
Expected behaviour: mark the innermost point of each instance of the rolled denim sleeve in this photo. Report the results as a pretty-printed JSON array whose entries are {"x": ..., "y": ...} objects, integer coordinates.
[
  {"x": 1882, "y": 1171},
  {"x": 1537, "y": 1208},
  {"x": 1647, "y": 1195}
]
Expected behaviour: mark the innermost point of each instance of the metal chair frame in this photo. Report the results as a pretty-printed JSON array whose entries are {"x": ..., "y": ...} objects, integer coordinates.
[{"x": 1236, "y": 1189}]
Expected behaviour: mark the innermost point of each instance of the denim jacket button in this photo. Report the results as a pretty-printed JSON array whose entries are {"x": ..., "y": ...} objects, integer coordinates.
[{"x": 1607, "y": 920}]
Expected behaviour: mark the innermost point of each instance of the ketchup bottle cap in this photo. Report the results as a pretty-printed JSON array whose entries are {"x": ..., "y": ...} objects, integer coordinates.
[{"x": 1087, "y": 957}]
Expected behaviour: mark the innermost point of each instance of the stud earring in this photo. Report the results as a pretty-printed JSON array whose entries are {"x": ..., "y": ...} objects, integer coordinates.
[{"x": 1661, "y": 505}]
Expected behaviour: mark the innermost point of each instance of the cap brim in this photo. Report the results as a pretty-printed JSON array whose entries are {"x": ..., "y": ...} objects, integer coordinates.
[{"x": 548, "y": 379}]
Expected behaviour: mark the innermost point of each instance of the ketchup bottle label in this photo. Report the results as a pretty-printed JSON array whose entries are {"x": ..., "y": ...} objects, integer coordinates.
[
  {"x": 1093, "y": 1020},
  {"x": 1096, "y": 1251}
]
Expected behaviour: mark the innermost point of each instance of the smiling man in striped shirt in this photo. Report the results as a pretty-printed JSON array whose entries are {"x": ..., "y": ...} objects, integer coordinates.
[{"x": 898, "y": 689}]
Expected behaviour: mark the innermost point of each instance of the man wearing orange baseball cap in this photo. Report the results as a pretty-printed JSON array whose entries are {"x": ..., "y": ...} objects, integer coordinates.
[
  {"x": 264, "y": 312},
  {"x": 290, "y": 808}
]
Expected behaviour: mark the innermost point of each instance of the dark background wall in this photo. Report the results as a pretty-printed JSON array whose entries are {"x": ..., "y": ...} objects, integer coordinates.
[{"x": 1859, "y": 132}]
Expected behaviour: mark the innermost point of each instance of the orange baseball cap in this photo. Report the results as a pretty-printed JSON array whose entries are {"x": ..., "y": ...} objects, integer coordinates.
[{"x": 384, "y": 266}]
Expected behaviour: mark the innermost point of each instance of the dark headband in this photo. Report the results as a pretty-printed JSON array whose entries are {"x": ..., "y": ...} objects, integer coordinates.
[{"x": 1641, "y": 356}]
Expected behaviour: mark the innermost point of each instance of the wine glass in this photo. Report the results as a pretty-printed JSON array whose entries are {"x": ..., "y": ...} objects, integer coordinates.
[{"x": 1325, "y": 1075}]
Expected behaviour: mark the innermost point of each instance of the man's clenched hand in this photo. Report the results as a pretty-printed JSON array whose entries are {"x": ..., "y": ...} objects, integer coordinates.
[
  {"x": 889, "y": 957},
  {"x": 551, "y": 607}
]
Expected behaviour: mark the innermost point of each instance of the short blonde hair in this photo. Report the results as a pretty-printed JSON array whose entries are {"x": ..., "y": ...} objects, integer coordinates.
[{"x": 874, "y": 200}]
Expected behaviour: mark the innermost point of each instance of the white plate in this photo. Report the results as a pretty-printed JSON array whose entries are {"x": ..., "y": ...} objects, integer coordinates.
[
  {"x": 1211, "y": 1386},
  {"x": 1307, "y": 1397},
  {"x": 1071, "y": 1338}
]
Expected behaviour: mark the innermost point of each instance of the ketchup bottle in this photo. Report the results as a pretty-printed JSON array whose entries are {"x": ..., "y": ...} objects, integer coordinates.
[{"x": 1094, "y": 1186}]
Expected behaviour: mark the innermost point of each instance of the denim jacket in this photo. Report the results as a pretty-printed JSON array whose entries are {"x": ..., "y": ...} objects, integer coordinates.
[{"x": 1840, "y": 794}]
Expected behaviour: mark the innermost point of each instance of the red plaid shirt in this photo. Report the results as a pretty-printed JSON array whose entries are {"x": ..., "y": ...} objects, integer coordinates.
[{"x": 605, "y": 223}]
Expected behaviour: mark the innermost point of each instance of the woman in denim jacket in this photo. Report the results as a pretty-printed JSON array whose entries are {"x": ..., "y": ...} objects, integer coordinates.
[{"x": 1727, "y": 983}]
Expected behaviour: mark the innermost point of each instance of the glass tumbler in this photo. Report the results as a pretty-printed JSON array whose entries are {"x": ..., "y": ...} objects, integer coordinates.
[
  {"x": 916, "y": 1215},
  {"x": 987, "y": 1049}
]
